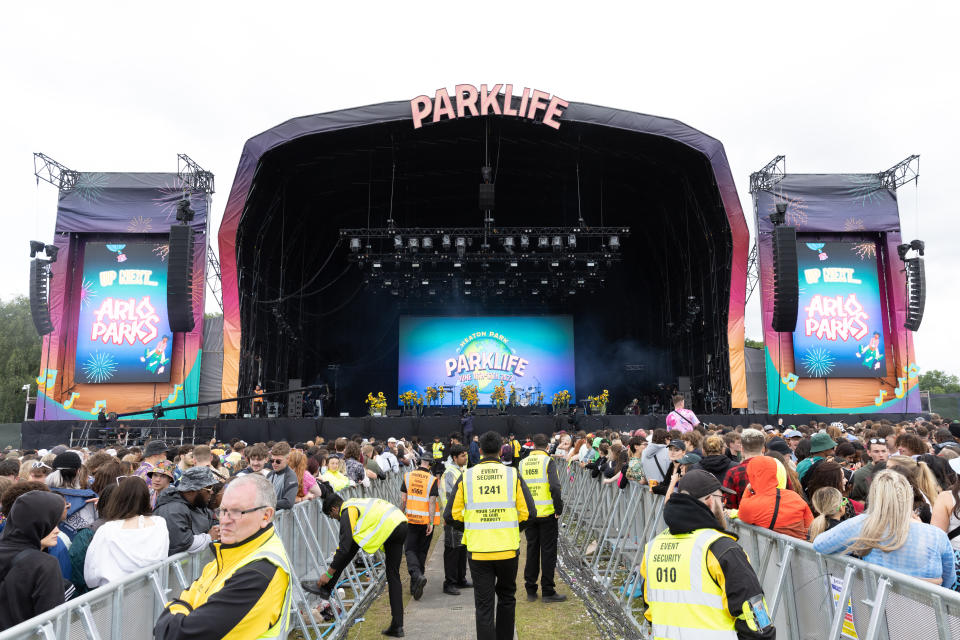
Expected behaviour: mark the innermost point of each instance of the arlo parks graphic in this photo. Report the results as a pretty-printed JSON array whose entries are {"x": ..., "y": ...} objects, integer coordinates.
[{"x": 470, "y": 101}]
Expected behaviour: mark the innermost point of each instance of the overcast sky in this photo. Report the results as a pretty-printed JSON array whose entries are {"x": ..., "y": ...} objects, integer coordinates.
[{"x": 836, "y": 87}]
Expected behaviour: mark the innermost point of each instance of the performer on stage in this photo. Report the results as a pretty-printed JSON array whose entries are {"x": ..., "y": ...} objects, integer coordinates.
[{"x": 257, "y": 405}]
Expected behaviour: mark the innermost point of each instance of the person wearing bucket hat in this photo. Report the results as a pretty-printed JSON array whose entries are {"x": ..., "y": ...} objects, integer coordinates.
[
  {"x": 161, "y": 477},
  {"x": 190, "y": 522},
  {"x": 821, "y": 446},
  {"x": 153, "y": 454}
]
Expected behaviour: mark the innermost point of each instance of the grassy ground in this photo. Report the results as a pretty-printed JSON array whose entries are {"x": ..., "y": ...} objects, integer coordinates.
[{"x": 535, "y": 620}]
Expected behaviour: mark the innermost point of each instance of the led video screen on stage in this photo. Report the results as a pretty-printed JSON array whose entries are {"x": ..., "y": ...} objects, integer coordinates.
[
  {"x": 840, "y": 323},
  {"x": 533, "y": 353},
  {"x": 123, "y": 333}
]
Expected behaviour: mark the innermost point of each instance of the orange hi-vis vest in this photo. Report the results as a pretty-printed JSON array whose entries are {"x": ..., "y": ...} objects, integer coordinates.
[{"x": 419, "y": 484}]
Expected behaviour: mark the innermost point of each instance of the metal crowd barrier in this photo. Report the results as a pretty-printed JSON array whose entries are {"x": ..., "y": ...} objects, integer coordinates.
[
  {"x": 609, "y": 527},
  {"x": 128, "y": 609}
]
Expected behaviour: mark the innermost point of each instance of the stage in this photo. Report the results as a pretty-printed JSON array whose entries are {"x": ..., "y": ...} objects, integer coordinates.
[{"x": 49, "y": 433}]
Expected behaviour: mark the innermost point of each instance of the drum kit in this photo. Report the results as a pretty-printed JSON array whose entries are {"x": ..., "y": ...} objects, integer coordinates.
[{"x": 531, "y": 397}]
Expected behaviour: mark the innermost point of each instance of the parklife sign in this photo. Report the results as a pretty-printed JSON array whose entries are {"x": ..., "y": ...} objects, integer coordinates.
[{"x": 498, "y": 100}]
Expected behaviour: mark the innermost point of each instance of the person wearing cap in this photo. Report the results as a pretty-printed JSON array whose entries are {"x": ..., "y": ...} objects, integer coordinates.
[
  {"x": 161, "y": 477},
  {"x": 154, "y": 453},
  {"x": 727, "y": 600},
  {"x": 69, "y": 479},
  {"x": 539, "y": 472},
  {"x": 419, "y": 491},
  {"x": 370, "y": 524},
  {"x": 793, "y": 438},
  {"x": 821, "y": 446},
  {"x": 676, "y": 451},
  {"x": 244, "y": 592},
  {"x": 190, "y": 522}
]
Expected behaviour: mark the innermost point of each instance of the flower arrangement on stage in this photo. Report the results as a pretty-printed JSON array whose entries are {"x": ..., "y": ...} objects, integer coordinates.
[
  {"x": 433, "y": 395},
  {"x": 561, "y": 401},
  {"x": 468, "y": 396},
  {"x": 598, "y": 404},
  {"x": 378, "y": 404},
  {"x": 411, "y": 399},
  {"x": 499, "y": 397},
  {"x": 513, "y": 396}
]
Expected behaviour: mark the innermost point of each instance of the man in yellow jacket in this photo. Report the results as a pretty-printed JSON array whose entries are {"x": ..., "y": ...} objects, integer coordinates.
[
  {"x": 491, "y": 503},
  {"x": 244, "y": 593}
]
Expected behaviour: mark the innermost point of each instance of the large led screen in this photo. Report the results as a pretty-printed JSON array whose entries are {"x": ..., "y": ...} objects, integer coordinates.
[
  {"x": 533, "y": 353},
  {"x": 840, "y": 323},
  {"x": 123, "y": 334}
]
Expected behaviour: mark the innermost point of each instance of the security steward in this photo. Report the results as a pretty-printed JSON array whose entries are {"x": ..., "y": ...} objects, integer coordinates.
[
  {"x": 418, "y": 498},
  {"x": 368, "y": 524},
  {"x": 698, "y": 582},
  {"x": 437, "y": 452},
  {"x": 454, "y": 552},
  {"x": 540, "y": 474},
  {"x": 244, "y": 592},
  {"x": 491, "y": 503}
]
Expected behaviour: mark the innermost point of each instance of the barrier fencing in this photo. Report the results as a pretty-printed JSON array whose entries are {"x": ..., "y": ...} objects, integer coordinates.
[
  {"x": 128, "y": 609},
  {"x": 609, "y": 527}
]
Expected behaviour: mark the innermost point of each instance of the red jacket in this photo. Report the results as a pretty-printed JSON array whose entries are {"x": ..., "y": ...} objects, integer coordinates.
[{"x": 767, "y": 479}]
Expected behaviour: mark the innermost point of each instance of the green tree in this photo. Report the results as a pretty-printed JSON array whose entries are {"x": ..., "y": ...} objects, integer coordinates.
[
  {"x": 19, "y": 357},
  {"x": 936, "y": 381},
  {"x": 754, "y": 344}
]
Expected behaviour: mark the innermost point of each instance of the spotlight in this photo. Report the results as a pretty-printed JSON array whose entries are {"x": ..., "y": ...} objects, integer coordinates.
[
  {"x": 377, "y": 265},
  {"x": 424, "y": 282},
  {"x": 916, "y": 245},
  {"x": 554, "y": 264},
  {"x": 413, "y": 244},
  {"x": 466, "y": 292},
  {"x": 535, "y": 292},
  {"x": 355, "y": 245},
  {"x": 53, "y": 250},
  {"x": 433, "y": 292},
  {"x": 513, "y": 264},
  {"x": 461, "y": 246},
  {"x": 591, "y": 264},
  {"x": 35, "y": 248},
  {"x": 557, "y": 243},
  {"x": 614, "y": 243},
  {"x": 543, "y": 242},
  {"x": 572, "y": 292},
  {"x": 508, "y": 244},
  {"x": 524, "y": 242},
  {"x": 457, "y": 265},
  {"x": 468, "y": 282},
  {"x": 501, "y": 281},
  {"x": 572, "y": 241},
  {"x": 427, "y": 243},
  {"x": 397, "y": 243},
  {"x": 780, "y": 215},
  {"x": 445, "y": 242},
  {"x": 157, "y": 412},
  {"x": 543, "y": 281},
  {"x": 184, "y": 212},
  {"x": 394, "y": 292},
  {"x": 415, "y": 265}
]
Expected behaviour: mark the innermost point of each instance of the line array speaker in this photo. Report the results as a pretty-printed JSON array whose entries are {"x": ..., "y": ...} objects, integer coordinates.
[
  {"x": 180, "y": 279},
  {"x": 916, "y": 292},
  {"x": 786, "y": 281},
  {"x": 39, "y": 296}
]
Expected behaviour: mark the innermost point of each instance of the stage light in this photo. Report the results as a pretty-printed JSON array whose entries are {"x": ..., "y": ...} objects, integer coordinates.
[
  {"x": 501, "y": 281},
  {"x": 535, "y": 292},
  {"x": 524, "y": 242},
  {"x": 413, "y": 244},
  {"x": 415, "y": 265},
  {"x": 543, "y": 281},
  {"x": 35, "y": 248},
  {"x": 468, "y": 282},
  {"x": 466, "y": 292},
  {"x": 543, "y": 242},
  {"x": 53, "y": 250},
  {"x": 387, "y": 283},
  {"x": 572, "y": 292},
  {"x": 433, "y": 292},
  {"x": 377, "y": 265},
  {"x": 779, "y": 216},
  {"x": 508, "y": 244},
  {"x": 513, "y": 265},
  {"x": 614, "y": 243},
  {"x": 445, "y": 242},
  {"x": 555, "y": 264},
  {"x": 591, "y": 264},
  {"x": 499, "y": 292},
  {"x": 461, "y": 246},
  {"x": 424, "y": 282},
  {"x": 397, "y": 243},
  {"x": 355, "y": 245},
  {"x": 184, "y": 213},
  {"x": 557, "y": 243},
  {"x": 572, "y": 241},
  {"x": 580, "y": 281},
  {"x": 427, "y": 243},
  {"x": 457, "y": 265},
  {"x": 394, "y": 292}
]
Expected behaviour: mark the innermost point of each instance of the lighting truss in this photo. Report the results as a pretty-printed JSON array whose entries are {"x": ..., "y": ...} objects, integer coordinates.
[
  {"x": 49, "y": 170},
  {"x": 475, "y": 232},
  {"x": 753, "y": 272},
  {"x": 904, "y": 172},
  {"x": 192, "y": 175},
  {"x": 213, "y": 277},
  {"x": 768, "y": 177}
]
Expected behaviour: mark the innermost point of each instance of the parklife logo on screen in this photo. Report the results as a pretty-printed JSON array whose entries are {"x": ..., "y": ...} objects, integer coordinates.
[{"x": 485, "y": 358}]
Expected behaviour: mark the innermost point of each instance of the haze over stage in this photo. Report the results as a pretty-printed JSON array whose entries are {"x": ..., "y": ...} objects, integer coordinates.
[{"x": 301, "y": 306}]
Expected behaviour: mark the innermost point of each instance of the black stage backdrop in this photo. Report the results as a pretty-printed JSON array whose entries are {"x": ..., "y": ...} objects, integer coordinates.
[{"x": 48, "y": 434}]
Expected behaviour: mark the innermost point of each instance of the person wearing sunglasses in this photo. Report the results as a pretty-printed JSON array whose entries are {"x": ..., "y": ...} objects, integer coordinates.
[
  {"x": 190, "y": 521},
  {"x": 282, "y": 477},
  {"x": 245, "y": 591}
]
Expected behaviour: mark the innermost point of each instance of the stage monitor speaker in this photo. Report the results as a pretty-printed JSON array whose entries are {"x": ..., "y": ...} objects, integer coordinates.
[
  {"x": 916, "y": 292},
  {"x": 295, "y": 400},
  {"x": 786, "y": 279},
  {"x": 39, "y": 296},
  {"x": 180, "y": 279}
]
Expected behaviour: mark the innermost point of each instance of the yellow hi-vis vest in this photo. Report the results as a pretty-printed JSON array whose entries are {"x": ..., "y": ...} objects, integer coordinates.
[
  {"x": 377, "y": 520},
  {"x": 437, "y": 450},
  {"x": 533, "y": 470},
  {"x": 685, "y": 602},
  {"x": 490, "y": 519},
  {"x": 448, "y": 481},
  {"x": 419, "y": 483}
]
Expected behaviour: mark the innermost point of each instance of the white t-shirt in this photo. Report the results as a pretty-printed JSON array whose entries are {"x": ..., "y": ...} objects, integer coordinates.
[
  {"x": 115, "y": 552},
  {"x": 388, "y": 461}
]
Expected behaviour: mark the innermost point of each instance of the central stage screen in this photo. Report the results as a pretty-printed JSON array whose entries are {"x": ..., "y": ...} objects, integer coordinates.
[{"x": 533, "y": 353}]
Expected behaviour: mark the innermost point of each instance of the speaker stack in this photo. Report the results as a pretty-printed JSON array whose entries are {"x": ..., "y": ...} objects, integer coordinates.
[
  {"x": 786, "y": 281},
  {"x": 39, "y": 296},
  {"x": 916, "y": 292},
  {"x": 180, "y": 279}
]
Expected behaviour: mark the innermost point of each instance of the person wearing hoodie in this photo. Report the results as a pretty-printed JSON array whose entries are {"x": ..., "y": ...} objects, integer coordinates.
[
  {"x": 30, "y": 580},
  {"x": 769, "y": 504},
  {"x": 715, "y": 459},
  {"x": 727, "y": 602},
  {"x": 655, "y": 459}
]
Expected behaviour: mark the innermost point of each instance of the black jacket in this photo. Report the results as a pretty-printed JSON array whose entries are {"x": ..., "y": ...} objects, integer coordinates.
[
  {"x": 185, "y": 522},
  {"x": 683, "y": 514},
  {"x": 30, "y": 580},
  {"x": 286, "y": 485},
  {"x": 717, "y": 465}
]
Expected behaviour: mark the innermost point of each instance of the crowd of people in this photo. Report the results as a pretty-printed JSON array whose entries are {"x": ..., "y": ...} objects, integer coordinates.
[{"x": 73, "y": 520}]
